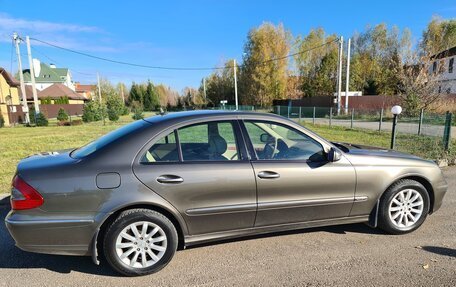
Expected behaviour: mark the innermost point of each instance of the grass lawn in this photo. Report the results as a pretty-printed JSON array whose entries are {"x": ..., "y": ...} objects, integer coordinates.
[{"x": 19, "y": 142}]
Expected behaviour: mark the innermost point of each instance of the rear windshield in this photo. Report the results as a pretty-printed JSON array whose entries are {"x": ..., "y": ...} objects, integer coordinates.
[{"x": 105, "y": 140}]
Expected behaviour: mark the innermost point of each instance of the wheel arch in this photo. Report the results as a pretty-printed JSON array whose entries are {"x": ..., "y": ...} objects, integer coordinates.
[
  {"x": 98, "y": 237},
  {"x": 373, "y": 217}
]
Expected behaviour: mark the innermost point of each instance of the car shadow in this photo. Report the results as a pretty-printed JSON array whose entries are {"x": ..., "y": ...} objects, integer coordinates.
[
  {"x": 14, "y": 258},
  {"x": 440, "y": 250}
]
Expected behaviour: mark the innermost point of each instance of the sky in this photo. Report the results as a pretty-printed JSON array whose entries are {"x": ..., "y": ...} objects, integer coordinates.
[{"x": 182, "y": 33}]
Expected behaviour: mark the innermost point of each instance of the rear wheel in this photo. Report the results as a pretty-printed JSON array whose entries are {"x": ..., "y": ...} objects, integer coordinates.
[
  {"x": 403, "y": 207},
  {"x": 140, "y": 242}
]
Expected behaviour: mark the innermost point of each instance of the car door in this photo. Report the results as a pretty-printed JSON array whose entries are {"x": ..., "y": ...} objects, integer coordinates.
[
  {"x": 202, "y": 170},
  {"x": 295, "y": 181}
]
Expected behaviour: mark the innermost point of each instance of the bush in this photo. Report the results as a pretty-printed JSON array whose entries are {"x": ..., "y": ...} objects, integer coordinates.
[
  {"x": 92, "y": 112},
  {"x": 125, "y": 111},
  {"x": 138, "y": 111},
  {"x": 40, "y": 120},
  {"x": 62, "y": 115},
  {"x": 62, "y": 100},
  {"x": 2, "y": 121},
  {"x": 76, "y": 122},
  {"x": 115, "y": 107}
]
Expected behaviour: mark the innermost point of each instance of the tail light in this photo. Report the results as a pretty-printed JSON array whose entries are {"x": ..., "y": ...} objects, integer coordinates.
[{"x": 24, "y": 196}]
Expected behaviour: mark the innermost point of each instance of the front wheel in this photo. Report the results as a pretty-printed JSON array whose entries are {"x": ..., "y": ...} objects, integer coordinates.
[
  {"x": 403, "y": 207},
  {"x": 140, "y": 242}
]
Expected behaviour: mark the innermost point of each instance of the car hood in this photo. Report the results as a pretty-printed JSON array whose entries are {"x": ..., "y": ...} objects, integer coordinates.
[{"x": 365, "y": 150}]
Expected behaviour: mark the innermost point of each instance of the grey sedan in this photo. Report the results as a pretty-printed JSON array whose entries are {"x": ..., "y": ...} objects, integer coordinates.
[{"x": 137, "y": 194}]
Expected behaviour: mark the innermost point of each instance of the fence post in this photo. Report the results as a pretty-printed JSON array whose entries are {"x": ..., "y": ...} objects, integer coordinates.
[
  {"x": 447, "y": 131},
  {"x": 420, "y": 124},
  {"x": 313, "y": 117},
  {"x": 380, "y": 122},
  {"x": 300, "y": 114},
  {"x": 330, "y": 116},
  {"x": 278, "y": 110},
  {"x": 288, "y": 111},
  {"x": 352, "y": 115}
]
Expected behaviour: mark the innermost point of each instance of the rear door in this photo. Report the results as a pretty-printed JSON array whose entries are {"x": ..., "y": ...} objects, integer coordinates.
[
  {"x": 295, "y": 181},
  {"x": 202, "y": 169}
]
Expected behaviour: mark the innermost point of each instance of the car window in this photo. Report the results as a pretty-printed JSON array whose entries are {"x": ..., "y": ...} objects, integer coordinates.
[
  {"x": 163, "y": 150},
  {"x": 272, "y": 141},
  {"x": 106, "y": 139},
  {"x": 212, "y": 141}
]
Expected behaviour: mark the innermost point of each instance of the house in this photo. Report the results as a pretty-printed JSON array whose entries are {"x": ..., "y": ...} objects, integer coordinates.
[
  {"x": 47, "y": 75},
  {"x": 9, "y": 95},
  {"x": 443, "y": 65},
  {"x": 87, "y": 91},
  {"x": 56, "y": 92}
]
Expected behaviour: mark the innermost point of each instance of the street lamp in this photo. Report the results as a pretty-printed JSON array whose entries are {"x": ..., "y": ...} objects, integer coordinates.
[{"x": 396, "y": 110}]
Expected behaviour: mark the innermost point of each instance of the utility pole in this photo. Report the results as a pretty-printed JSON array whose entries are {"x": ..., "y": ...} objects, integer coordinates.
[
  {"x": 99, "y": 98},
  {"x": 32, "y": 75},
  {"x": 204, "y": 88},
  {"x": 347, "y": 77},
  {"x": 121, "y": 93},
  {"x": 235, "y": 84},
  {"x": 17, "y": 40},
  {"x": 339, "y": 76}
]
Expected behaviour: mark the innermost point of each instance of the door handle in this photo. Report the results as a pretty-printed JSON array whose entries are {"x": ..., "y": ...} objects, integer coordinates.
[
  {"x": 169, "y": 178},
  {"x": 268, "y": 174}
]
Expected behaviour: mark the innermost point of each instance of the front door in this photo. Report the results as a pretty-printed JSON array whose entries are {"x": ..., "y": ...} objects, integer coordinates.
[
  {"x": 200, "y": 170},
  {"x": 295, "y": 181}
]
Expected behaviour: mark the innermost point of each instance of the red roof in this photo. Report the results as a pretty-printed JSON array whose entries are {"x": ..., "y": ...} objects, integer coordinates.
[
  {"x": 57, "y": 91},
  {"x": 9, "y": 79}
]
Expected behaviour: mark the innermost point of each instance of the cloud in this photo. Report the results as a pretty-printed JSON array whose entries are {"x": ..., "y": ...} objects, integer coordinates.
[{"x": 8, "y": 23}]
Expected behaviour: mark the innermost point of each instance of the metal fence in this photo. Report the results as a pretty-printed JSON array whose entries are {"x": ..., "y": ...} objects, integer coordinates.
[{"x": 426, "y": 133}]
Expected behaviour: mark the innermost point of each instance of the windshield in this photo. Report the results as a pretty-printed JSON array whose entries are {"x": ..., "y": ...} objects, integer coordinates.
[{"x": 105, "y": 140}]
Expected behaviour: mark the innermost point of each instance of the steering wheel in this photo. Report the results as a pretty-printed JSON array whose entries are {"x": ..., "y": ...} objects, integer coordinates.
[{"x": 270, "y": 149}]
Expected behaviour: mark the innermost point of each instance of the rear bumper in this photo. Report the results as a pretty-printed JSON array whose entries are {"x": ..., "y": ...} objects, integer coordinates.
[{"x": 52, "y": 236}]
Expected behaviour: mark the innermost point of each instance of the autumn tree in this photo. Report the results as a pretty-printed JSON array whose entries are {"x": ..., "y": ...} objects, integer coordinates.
[
  {"x": 439, "y": 35},
  {"x": 377, "y": 59},
  {"x": 316, "y": 61},
  {"x": 220, "y": 85},
  {"x": 263, "y": 75}
]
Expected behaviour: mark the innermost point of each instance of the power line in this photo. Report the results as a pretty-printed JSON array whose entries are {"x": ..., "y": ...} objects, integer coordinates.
[
  {"x": 176, "y": 68},
  {"x": 57, "y": 62}
]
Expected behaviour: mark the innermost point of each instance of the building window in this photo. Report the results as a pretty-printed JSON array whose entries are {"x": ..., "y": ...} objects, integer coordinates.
[{"x": 450, "y": 65}]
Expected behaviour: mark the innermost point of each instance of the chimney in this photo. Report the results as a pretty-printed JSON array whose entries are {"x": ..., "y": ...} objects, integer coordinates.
[{"x": 52, "y": 66}]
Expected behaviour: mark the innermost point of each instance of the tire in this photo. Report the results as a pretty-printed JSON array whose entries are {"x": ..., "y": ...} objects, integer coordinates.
[
  {"x": 157, "y": 244},
  {"x": 400, "y": 211}
]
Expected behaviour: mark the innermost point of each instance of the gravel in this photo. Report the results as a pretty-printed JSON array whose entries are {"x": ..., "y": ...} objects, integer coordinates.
[{"x": 348, "y": 255}]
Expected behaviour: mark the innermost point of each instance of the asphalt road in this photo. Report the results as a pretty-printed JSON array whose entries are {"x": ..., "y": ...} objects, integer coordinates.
[{"x": 349, "y": 255}]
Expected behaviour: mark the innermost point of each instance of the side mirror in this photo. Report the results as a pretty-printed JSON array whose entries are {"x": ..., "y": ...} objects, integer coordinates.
[
  {"x": 334, "y": 155},
  {"x": 264, "y": 138}
]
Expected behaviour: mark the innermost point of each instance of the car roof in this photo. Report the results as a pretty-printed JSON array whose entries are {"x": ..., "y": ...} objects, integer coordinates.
[{"x": 186, "y": 115}]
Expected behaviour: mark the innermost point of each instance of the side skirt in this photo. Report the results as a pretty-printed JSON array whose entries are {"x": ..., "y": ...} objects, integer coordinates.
[{"x": 209, "y": 237}]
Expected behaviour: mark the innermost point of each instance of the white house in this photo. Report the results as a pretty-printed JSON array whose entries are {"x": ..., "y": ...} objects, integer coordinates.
[
  {"x": 47, "y": 75},
  {"x": 443, "y": 65}
]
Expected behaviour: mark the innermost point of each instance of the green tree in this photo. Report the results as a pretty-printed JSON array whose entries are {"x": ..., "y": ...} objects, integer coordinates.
[
  {"x": 135, "y": 93},
  {"x": 62, "y": 115},
  {"x": 151, "y": 101},
  {"x": 115, "y": 107},
  {"x": 220, "y": 86},
  {"x": 263, "y": 76},
  {"x": 92, "y": 111}
]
